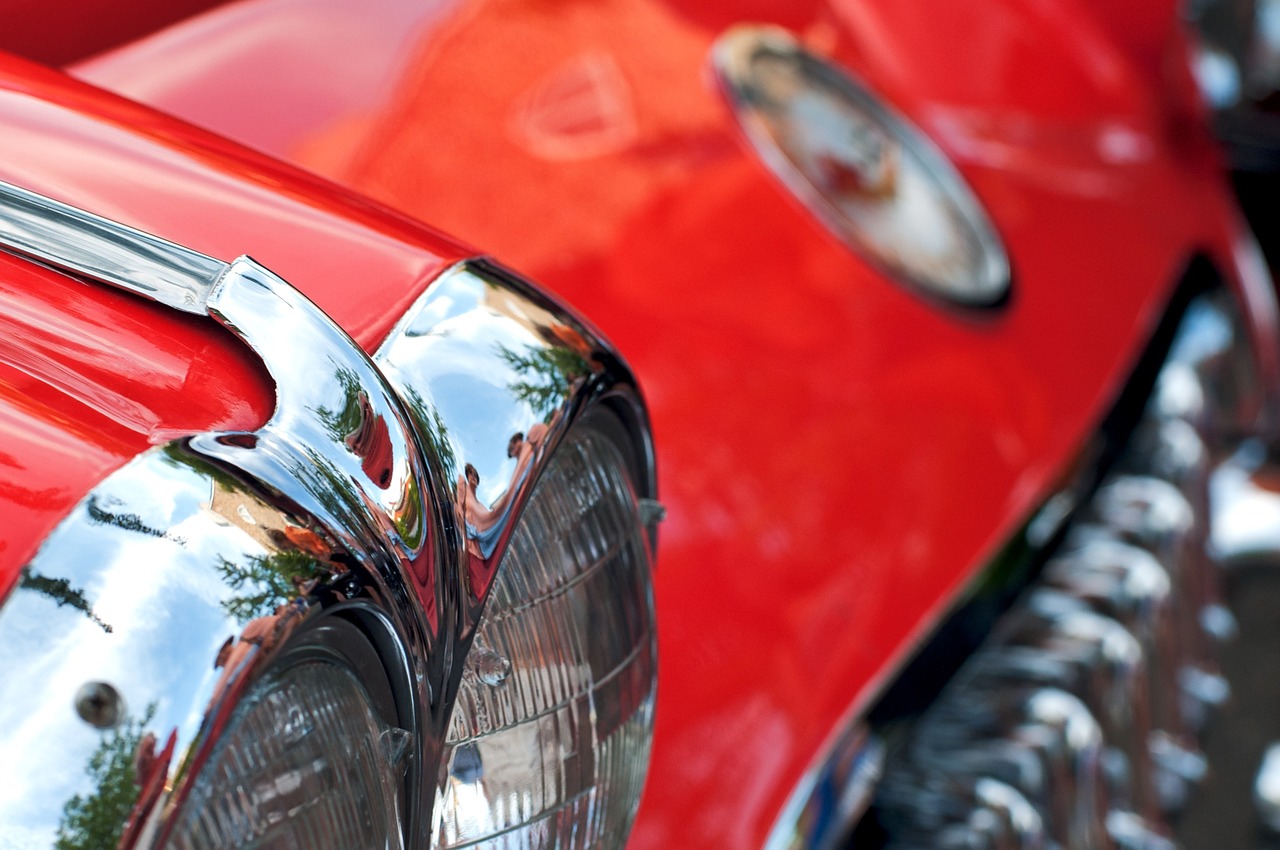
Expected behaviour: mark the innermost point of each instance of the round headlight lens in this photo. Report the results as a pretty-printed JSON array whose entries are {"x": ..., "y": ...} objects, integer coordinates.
[
  {"x": 874, "y": 179},
  {"x": 549, "y": 740},
  {"x": 305, "y": 763}
]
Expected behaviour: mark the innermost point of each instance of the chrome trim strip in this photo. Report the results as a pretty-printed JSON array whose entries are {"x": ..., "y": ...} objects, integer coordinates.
[
  {"x": 834, "y": 793},
  {"x": 348, "y": 495},
  {"x": 73, "y": 240}
]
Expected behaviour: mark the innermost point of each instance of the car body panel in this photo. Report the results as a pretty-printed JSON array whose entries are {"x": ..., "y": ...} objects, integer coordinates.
[
  {"x": 92, "y": 377},
  {"x": 85, "y": 27},
  {"x": 838, "y": 455}
]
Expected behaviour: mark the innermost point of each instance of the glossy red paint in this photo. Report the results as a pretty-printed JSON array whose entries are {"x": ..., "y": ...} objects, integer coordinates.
[
  {"x": 89, "y": 376},
  {"x": 837, "y": 455},
  {"x": 81, "y": 28}
]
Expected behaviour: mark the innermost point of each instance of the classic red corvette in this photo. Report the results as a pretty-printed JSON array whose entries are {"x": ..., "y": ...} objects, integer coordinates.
[{"x": 940, "y": 327}]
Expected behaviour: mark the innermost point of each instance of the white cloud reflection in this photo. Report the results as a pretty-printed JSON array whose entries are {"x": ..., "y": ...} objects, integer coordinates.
[{"x": 158, "y": 594}]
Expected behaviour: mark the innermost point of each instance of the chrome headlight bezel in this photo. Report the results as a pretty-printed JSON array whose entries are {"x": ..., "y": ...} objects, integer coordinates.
[{"x": 347, "y": 496}]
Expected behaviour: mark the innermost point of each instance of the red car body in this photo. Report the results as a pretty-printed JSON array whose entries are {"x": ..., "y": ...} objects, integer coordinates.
[{"x": 838, "y": 456}]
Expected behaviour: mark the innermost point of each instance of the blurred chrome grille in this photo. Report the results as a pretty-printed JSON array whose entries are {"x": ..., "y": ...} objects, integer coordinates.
[{"x": 1076, "y": 723}]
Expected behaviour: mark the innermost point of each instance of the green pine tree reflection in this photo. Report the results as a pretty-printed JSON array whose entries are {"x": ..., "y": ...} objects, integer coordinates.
[
  {"x": 262, "y": 583},
  {"x": 96, "y": 820},
  {"x": 434, "y": 432},
  {"x": 546, "y": 376},
  {"x": 129, "y": 522},
  {"x": 63, "y": 593}
]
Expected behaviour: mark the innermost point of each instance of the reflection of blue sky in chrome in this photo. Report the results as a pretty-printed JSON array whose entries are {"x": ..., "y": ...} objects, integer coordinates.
[
  {"x": 160, "y": 597},
  {"x": 440, "y": 349}
]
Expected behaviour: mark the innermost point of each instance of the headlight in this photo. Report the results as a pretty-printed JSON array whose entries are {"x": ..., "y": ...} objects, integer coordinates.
[
  {"x": 305, "y": 763},
  {"x": 351, "y": 580},
  {"x": 549, "y": 739},
  {"x": 874, "y": 179}
]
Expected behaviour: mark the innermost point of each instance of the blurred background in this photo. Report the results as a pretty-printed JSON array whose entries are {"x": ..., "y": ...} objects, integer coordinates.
[{"x": 1238, "y": 67}]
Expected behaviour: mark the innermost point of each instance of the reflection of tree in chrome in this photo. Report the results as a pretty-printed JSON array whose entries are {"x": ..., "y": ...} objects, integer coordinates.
[
  {"x": 433, "y": 432},
  {"x": 95, "y": 821},
  {"x": 99, "y": 513},
  {"x": 546, "y": 375},
  {"x": 62, "y": 592},
  {"x": 349, "y": 419},
  {"x": 263, "y": 582}
]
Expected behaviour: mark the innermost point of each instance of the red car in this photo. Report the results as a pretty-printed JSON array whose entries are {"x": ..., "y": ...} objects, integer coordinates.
[{"x": 949, "y": 377}]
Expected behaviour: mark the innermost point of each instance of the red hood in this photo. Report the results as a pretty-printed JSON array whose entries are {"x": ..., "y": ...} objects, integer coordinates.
[{"x": 837, "y": 455}]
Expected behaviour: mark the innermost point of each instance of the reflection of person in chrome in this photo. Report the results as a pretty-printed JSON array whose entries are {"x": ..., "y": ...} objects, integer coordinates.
[
  {"x": 371, "y": 442},
  {"x": 479, "y": 522},
  {"x": 150, "y": 772},
  {"x": 483, "y": 524},
  {"x": 524, "y": 450},
  {"x": 259, "y": 635}
]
